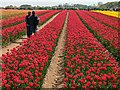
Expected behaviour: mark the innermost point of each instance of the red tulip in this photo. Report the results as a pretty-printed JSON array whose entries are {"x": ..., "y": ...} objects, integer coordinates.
[
  {"x": 114, "y": 86},
  {"x": 94, "y": 83}
]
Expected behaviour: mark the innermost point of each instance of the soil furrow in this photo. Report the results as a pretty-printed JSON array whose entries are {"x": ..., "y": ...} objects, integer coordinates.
[{"x": 55, "y": 74}]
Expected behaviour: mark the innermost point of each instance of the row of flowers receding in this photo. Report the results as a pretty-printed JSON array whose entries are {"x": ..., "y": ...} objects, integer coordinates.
[
  {"x": 14, "y": 32},
  {"x": 10, "y": 14},
  {"x": 105, "y": 20},
  {"x": 87, "y": 63},
  {"x": 106, "y": 35},
  {"x": 26, "y": 65},
  {"x": 110, "y": 14},
  {"x": 46, "y": 17}
]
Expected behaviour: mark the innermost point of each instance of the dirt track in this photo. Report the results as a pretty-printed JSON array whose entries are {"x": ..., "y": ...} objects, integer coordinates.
[{"x": 55, "y": 74}]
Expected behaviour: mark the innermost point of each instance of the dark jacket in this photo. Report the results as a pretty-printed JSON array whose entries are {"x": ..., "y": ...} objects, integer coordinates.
[
  {"x": 27, "y": 20},
  {"x": 34, "y": 20}
]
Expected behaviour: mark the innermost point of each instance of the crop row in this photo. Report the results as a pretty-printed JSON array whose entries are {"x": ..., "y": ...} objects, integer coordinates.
[
  {"x": 88, "y": 64},
  {"x": 106, "y": 35},
  {"x": 9, "y": 14},
  {"x": 105, "y": 20},
  {"x": 14, "y": 32},
  {"x": 110, "y": 14},
  {"x": 26, "y": 65},
  {"x": 47, "y": 16}
]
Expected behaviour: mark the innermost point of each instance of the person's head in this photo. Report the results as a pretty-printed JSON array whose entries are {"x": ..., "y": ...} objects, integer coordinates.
[
  {"x": 33, "y": 12},
  {"x": 29, "y": 13}
]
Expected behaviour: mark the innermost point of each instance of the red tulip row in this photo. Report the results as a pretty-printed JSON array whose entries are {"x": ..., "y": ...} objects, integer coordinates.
[
  {"x": 14, "y": 32},
  {"x": 103, "y": 30},
  {"x": 50, "y": 14},
  {"x": 108, "y": 16},
  {"x": 88, "y": 64},
  {"x": 104, "y": 19},
  {"x": 14, "y": 21},
  {"x": 26, "y": 65},
  {"x": 106, "y": 35}
]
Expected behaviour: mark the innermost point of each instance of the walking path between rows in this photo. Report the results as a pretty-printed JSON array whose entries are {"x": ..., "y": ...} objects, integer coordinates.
[
  {"x": 19, "y": 41},
  {"x": 55, "y": 74}
]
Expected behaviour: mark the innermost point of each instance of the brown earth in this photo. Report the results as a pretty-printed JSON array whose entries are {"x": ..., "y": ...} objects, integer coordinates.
[{"x": 55, "y": 74}]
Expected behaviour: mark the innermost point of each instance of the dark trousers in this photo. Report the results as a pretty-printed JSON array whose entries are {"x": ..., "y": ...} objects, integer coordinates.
[
  {"x": 29, "y": 33},
  {"x": 33, "y": 29}
]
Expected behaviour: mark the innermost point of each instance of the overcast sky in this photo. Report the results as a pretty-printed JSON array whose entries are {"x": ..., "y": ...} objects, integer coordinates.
[{"x": 51, "y": 2}]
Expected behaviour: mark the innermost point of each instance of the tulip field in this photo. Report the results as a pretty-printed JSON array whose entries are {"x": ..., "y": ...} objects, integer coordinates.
[
  {"x": 8, "y": 14},
  {"x": 91, "y": 59},
  {"x": 87, "y": 63},
  {"x": 105, "y": 34}
]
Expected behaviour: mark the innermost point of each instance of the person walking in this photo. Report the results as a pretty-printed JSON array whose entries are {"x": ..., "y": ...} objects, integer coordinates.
[
  {"x": 27, "y": 20},
  {"x": 34, "y": 21}
]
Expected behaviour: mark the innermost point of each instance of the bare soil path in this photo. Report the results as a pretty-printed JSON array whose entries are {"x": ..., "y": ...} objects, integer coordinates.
[
  {"x": 19, "y": 41},
  {"x": 55, "y": 74}
]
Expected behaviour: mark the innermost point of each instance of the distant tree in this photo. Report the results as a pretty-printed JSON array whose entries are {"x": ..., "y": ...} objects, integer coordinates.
[
  {"x": 29, "y": 7},
  {"x": 9, "y": 7},
  {"x": 109, "y": 5},
  {"x": 38, "y": 7},
  {"x": 15, "y": 7},
  {"x": 100, "y": 3}
]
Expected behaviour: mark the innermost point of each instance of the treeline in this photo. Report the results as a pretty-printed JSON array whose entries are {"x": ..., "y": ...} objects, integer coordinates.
[
  {"x": 115, "y": 6},
  {"x": 59, "y": 7}
]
